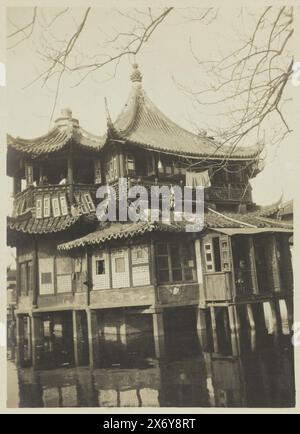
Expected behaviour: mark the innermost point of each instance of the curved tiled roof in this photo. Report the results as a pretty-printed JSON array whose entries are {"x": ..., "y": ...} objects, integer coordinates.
[
  {"x": 58, "y": 137},
  {"x": 32, "y": 225},
  {"x": 142, "y": 123},
  {"x": 118, "y": 231},
  {"x": 212, "y": 220}
]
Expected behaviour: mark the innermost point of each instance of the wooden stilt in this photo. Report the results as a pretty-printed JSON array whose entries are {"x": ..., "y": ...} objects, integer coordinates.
[
  {"x": 92, "y": 323},
  {"x": 276, "y": 320},
  {"x": 36, "y": 338},
  {"x": 236, "y": 343},
  {"x": 201, "y": 320},
  {"x": 290, "y": 312},
  {"x": 159, "y": 334},
  {"x": 214, "y": 329},
  {"x": 234, "y": 321},
  {"x": 20, "y": 339},
  {"x": 250, "y": 316},
  {"x": 75, "y": 320},
  {"x": 213, "y": 317}
]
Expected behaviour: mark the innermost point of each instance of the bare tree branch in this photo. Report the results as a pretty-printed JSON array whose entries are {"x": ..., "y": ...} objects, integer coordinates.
[
  {"x": 23, "y": 29},
  {"x": 249, "y": 83}
]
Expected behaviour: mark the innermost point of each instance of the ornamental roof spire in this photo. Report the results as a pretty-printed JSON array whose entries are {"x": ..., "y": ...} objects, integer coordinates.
[{"x": 136, "y": 75}]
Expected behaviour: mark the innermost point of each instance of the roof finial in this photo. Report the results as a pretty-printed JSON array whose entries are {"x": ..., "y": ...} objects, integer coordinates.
[
  {"x": 66, "y": 113},
  {"x": 136, "y": 75}
]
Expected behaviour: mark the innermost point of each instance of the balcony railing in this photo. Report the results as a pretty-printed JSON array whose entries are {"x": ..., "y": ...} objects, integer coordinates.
[{"x": 25, "y": 200}]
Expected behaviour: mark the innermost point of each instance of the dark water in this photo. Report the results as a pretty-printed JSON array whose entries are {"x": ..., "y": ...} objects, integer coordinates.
[{"x": 190, "y": 373}]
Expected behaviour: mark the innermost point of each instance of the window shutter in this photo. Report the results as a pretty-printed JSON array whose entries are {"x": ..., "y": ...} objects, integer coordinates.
[
  {"x": 47, "y": 206},
  {"x": 55, "y": 206},
  {"x": 39, "y": 208},
  {"x": 63, "y": 204}
]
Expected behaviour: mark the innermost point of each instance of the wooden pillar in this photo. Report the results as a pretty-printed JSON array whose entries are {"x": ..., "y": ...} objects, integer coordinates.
[
  {"x": 235, "y": 328},
  {"x": 250, "y": 316},
  {"x": 36, "y": 338},
  {"x": 214, "y": 329},
  {"x": 276, "y": 319},
  {"x": 35, "y": 274},
  {"x": 158, "y": 333},
  {"x": 89, "y": 273},
  {"x": 201, "y": 319},
  {"x": 236, "y": 343},
  {"x": 75, "y": 320},
  {"x": 92, "y": 323},
  {"x": 290, "y": 312},
  {"x": 20, "y": 338},
  {"x": 213, "y": 317},
  {"x": 234, "y": 321},
  {"x": 153, "y": 270}
]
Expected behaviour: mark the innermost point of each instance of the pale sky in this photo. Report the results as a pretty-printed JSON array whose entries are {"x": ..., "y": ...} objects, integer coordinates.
[{"x": 166, "y": 55}]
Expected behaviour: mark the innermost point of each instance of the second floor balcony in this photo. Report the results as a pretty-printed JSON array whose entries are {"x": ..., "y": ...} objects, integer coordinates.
[{"x": 55, "y": 200}]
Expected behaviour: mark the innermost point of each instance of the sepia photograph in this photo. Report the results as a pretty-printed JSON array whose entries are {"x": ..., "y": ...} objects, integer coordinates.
[{"x": 151, "y": 173}]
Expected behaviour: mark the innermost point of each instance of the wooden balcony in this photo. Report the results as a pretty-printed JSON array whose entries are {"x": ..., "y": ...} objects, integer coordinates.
[
  {"x": 25, "y": 200},
  {"x": 218, "y": 286}
]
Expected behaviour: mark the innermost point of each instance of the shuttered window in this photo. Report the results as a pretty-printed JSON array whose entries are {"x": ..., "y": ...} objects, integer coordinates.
[
  {"x": 39, "y": 208},
  {"x": 55, "y": 207},
  {"x": 63, "y": 204},
  {"x": 47, "y": 210}
]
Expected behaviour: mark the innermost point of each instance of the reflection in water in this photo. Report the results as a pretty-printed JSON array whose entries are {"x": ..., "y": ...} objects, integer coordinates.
[{"x": 127, "y": 374}]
